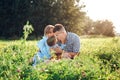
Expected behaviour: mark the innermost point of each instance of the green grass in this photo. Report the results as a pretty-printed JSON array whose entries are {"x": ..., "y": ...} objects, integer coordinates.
[{"x": 99, "y": 59}]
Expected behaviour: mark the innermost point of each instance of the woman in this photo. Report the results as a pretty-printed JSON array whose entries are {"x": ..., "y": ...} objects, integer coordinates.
[{"x": 44, "y": 50}]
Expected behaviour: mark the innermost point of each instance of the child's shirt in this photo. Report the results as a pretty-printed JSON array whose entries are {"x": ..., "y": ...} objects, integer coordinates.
[
  {"x": 44, "y": 52},
  {"x": 44, "y": 48}
]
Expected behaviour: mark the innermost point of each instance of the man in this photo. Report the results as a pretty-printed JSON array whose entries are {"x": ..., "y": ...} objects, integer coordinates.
[{"x": 70, "y": 40}]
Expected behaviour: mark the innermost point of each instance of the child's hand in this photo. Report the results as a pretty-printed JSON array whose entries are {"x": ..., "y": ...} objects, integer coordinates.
[
  {"x": 57, "y": 50},
  {"x": 52, "y": 52}
]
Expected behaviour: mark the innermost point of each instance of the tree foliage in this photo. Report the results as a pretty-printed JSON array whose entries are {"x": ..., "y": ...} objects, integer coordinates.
[
  {"x": 104, "y": 28},
  {"x": 15, "y": 13},
  {"x": 69, "y": 14},
  {"x": 100, "y": 27},
  {"x": 88, "y": 26}
]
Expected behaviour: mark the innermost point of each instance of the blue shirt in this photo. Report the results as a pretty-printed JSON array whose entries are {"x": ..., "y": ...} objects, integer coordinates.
[
  {"x": 44, "y": 52},
  {"x": 44, "y": 48},
  {"x": 72, "y": 43}
]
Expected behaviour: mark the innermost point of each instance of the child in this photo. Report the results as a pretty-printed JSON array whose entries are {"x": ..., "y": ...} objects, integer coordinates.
[
  {"x": 44, "y": 50},
  {"x": 52, "y": 42}
]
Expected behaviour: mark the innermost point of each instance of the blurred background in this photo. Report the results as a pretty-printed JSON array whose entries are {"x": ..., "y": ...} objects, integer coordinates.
[{"x": 84, "y": 17}]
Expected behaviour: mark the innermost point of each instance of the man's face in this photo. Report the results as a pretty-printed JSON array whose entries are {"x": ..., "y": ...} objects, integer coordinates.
[{"x": 60, "y": 35}]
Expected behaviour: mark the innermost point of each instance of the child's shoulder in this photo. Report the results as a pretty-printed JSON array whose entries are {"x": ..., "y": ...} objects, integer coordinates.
[
  {"x": 42, "y": 42},
  {"x": 43, "y": 39}
]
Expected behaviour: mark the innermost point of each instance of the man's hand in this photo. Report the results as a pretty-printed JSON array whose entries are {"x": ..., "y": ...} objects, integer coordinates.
[
  {"x": 70, "y": 55},
  {"x": 65, "y": 55}
]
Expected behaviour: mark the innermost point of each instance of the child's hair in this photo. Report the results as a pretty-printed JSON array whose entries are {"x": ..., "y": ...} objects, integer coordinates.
[
  {"x": 48, "y": 28},
  {"x": 51, "y": 41}
]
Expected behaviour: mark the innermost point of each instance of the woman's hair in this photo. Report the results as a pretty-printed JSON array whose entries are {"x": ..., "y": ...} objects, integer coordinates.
[
  {"x": 51, "y": 41},
  {"x": 58, "y": 27},
  {"x": 48, "y": 29}
]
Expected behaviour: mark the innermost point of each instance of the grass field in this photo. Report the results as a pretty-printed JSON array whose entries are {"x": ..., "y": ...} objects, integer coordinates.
[{"x": 99, "y": 59}]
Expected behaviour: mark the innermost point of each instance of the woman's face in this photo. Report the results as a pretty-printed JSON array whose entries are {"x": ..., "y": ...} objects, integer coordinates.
[{"x": 50, "y": 33}]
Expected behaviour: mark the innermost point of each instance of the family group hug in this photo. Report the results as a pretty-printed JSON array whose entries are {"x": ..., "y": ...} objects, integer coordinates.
[{"x": 56, "y": 44}]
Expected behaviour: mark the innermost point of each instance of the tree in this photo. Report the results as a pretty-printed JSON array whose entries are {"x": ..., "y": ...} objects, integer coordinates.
[
  {"x": 70, "y": 14},
  {"x": 66, "y": 12},
  {"x": 15, "y": 13},
  {"x": 104, "y": 27},
  {"x": 100, "y": 27},
  {"x": 88, "y": 26}
]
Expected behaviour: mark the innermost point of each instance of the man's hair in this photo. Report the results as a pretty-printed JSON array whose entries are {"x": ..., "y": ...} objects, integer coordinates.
[
  {"x": 58, "y": 27},
  {"x": 51, "y": 40},
  {"x": 48, "y": 28}
]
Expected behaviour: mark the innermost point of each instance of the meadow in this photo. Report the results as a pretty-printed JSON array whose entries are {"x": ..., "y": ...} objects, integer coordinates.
[{"x": 99, "y": 59}]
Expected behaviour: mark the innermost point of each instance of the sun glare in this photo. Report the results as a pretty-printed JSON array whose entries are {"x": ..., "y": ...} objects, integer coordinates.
[{"x": 104, "y": 9}]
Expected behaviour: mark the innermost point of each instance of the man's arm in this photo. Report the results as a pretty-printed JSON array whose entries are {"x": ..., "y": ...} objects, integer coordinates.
[
  {"x": 76, "y": 47},
  {"x": 66, "y": 54},
  {"x": 71, "y": 55}
]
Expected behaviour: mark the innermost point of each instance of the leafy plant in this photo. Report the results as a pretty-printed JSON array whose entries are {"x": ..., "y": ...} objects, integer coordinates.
[
  {"x": 95, "y": 62},
  {"x": 28, "y": 29}
]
